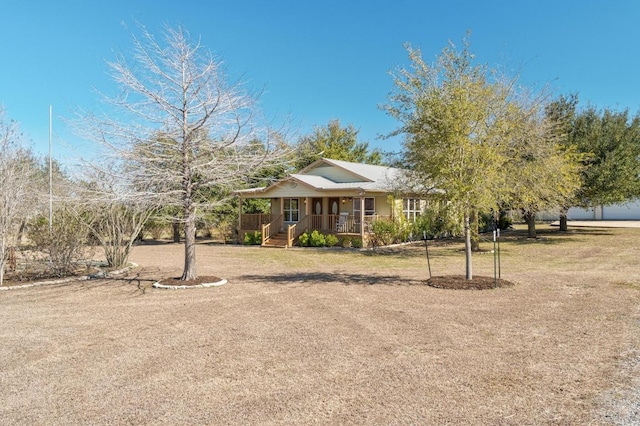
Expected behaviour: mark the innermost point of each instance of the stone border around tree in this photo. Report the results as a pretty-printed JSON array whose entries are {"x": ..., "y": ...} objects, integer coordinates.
[{"x": 184, "y": 287}]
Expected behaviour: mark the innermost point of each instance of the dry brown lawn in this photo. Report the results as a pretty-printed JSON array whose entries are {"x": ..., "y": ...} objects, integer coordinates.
[{"x": 306, "y": 336}]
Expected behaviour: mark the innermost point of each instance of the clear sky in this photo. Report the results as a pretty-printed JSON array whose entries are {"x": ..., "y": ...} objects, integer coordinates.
[{"x": 316, "y": 60}]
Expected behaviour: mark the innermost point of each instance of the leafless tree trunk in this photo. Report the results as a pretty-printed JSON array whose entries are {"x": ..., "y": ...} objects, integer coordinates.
[
  {"x": 187, "y": 138},
  {"x": 175, "y": 226},
  {"x": 17, "y": 174}
]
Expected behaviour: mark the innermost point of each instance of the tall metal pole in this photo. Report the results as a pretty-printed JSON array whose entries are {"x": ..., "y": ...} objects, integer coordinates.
[{"x": 50, "y": 169}]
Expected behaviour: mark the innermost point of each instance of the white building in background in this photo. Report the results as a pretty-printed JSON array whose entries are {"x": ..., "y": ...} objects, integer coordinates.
[{"x": 627, "y": 211}]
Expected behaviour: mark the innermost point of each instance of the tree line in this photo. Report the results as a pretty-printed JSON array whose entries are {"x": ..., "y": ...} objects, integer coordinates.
[{"x": 181, "y": 136}]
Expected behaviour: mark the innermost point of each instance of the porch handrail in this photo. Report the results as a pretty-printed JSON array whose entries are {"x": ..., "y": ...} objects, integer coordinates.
[
  {"x": 296, "y": 229},
  {"x": 271, "y": 228}
]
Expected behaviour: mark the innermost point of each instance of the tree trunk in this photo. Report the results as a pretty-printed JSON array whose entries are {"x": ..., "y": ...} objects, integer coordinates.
[
  {"x": 467, "y": 247},
  {"x": 475, "y": 235},
  {"x": 563, "y": 221},
  {"x": 190, "y": 272},
  {"x": 531, "y": 224},
  {"x": 176, "y": 231}
]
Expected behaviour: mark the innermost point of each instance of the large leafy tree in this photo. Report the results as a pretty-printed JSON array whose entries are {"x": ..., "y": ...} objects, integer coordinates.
[
  {"x": 336, "y": 142},
  {"x": 543, "y": 171},
  {"x": 611, "y": 141},
  {"x": 175, "y": 88},
  {"x": 456, "y": 117},
  {"x": 562, "y": 112}
]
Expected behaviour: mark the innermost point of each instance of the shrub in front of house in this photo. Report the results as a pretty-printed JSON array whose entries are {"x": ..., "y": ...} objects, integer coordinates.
[
  {"x": 331, "y": 240},
  {"x": 385, "y": 232},
  {"x": 316, "y": 239},
  {"x": 356, "y": 242},
  {"x": 253, "y": 238},
  {"x": 303, "y": 240}
]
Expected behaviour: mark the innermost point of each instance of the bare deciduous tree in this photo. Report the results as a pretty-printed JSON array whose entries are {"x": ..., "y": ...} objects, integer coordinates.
[
  {"x": 181, "y": 128},
  {"x": 111, "y": 212},
  {"x": 17, "y": 174}
]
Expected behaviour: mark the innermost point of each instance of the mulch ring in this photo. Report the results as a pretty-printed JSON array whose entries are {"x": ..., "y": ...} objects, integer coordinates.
[{"x": 459, "y": 282}]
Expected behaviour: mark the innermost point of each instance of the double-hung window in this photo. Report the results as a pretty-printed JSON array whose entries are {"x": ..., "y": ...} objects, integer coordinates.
[
  {"x": 411, "y": 208},
  {"x": 369, "y": 206},
  {"x": 291, "y": 209}
]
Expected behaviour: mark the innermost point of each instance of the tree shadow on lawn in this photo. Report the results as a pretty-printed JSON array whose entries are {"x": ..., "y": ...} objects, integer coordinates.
[
  {"x": 416, "y": 249},
  {"x": 332, "y": 277},
  {"x": 553, "y": 236}
]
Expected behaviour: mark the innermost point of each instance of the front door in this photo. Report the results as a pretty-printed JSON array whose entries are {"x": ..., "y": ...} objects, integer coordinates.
[
  {"x": 316, "y": 213},
  {"x": 334, "y": 212}
]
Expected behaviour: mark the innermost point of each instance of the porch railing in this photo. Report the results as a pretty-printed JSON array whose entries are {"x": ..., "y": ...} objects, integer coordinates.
[
  {"x": 254, "y": 221},
  {"x": 332, "y": 223},
  {"x": 272, "y": 228},
  {"x": 296, "y": 229},
  {"x": 338, "y": 224}
]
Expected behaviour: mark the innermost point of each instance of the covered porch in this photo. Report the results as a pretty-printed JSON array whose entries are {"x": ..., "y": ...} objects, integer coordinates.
[{"x": 341, "y": 215}]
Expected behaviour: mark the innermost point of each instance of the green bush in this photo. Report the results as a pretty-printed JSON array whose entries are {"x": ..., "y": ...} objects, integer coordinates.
[
  {"x": 486, "y": 221},
  {"x": 317, "y": 239},
  {"x": 346, "y": 242},
  {"x": 356, "y": 243},
  {"x": 385, "y": 232},
  {"x": 331, "y": 240},
  {"x": 303, "y": 240},
  {"x": 253, "y": 238}
]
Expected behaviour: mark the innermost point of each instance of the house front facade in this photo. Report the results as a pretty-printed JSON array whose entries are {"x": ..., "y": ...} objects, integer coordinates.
[{"x": 331, "y": 196}]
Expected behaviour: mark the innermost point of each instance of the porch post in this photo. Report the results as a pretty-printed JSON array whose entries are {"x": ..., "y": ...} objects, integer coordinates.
[
  {"x": 362, "y": 218},
  {"x": 281, "y": 214},
  {"x": 239, "y": 219}
]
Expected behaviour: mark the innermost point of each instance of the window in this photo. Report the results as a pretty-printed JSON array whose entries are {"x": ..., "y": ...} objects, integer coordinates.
[
  {"x": 291, "y": 210},
  {"x": 411, "y": 208},
  {"x": 369, "y": 206}
]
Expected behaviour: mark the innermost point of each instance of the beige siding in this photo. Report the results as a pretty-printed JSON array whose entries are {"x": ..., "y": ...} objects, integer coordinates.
[
  {"x": 275, "y": 206},
  {"x": 300, "y": 191},
  {"x": 382, "y": 206}
]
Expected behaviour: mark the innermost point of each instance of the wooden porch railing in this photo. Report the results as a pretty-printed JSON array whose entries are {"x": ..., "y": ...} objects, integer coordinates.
[
  {"x": 335, "y": 223},
  {"x": 272, "y": 228},
  {"x": 254, "y": 221},
  {"x": 296, "y": 229}
]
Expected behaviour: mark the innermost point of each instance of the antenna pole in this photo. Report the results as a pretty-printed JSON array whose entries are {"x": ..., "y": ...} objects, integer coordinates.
[{"x": 50, "y": 170}]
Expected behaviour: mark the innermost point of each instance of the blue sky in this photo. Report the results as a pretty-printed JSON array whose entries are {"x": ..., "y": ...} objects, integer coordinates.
[{"x": 317, "y": 60}]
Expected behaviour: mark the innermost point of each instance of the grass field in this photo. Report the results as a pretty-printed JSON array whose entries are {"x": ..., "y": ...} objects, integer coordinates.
[{"x": 304, "y": 336}]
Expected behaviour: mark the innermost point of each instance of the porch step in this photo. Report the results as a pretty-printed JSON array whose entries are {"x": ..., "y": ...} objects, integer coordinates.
[{"x": 279, "y": 240}]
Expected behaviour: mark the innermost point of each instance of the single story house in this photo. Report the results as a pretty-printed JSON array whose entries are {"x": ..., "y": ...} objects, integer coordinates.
[{"x": 330, "y": 196}]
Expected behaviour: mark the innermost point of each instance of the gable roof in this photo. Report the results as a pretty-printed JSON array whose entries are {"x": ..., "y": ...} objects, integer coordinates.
[
  {"x": 362, "y": 172},
  {"x": 327, "y": 174}
]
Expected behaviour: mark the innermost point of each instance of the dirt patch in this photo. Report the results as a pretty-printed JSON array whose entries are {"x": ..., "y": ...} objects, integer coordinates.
[{"x": 460, "y": 282}]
